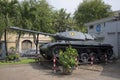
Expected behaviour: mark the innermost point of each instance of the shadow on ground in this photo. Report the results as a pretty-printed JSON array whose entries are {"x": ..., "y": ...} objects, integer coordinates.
[
  {"x": 47, "y": 67},
  {"x": 111, "y": 69}
]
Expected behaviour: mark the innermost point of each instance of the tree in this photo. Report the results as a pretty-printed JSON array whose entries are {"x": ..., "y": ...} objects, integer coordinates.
[
  {"x": 8, "y": 11},
  {"x": 34, "y": 15},
  {"x": 42, "y": 17},
  {"x": 23, "y": 19},
  {"x": 24, "y": 14},
  {"x": 91, "y": 10},
  {"x": 61, "y": 20}
]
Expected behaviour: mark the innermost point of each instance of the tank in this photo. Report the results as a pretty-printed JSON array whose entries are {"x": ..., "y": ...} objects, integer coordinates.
[{"x": 84, "y": 43}]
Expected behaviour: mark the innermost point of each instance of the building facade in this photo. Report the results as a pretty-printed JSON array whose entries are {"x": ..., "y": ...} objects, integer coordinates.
[
  {"x": 107, "y": 31},
  {"x": 26, "y": 41}
]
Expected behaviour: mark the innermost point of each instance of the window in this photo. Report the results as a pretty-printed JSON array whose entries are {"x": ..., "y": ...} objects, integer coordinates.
[
  {"x": 91, "y": 27},
  {"x": 26, "y": 44}
]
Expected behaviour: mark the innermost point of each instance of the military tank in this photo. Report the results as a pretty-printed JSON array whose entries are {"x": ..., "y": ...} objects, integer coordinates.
[{"x": 84, "y": 43}]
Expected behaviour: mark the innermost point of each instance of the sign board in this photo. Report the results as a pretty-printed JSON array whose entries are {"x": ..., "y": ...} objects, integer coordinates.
[{"x": 98, "y": 28}]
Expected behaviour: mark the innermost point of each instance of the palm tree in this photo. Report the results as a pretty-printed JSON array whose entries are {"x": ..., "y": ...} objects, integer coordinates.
[
  {"x": 61, "y": 20},
  {"x": 8, "y": 11}
]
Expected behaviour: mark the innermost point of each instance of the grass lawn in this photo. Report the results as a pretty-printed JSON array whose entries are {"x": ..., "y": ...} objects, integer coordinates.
[{"x": 22, "y": 61}]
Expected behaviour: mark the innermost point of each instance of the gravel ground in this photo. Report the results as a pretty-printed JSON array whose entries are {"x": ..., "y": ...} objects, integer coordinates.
[{"x": 35, "y": 71}]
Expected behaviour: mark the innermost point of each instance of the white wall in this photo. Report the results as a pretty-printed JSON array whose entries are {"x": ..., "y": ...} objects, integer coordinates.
[{"x": 109, "y": 32}]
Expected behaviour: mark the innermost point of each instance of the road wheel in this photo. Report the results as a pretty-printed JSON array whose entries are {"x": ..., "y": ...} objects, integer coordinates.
[{"x": 84, "y": 57}]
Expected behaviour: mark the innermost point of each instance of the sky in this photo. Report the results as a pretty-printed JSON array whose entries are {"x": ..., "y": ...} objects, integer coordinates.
[{"x": 71, "y": 5}]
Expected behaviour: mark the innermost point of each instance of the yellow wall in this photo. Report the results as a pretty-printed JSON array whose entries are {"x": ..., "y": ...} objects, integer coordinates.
[{"x": 12, "y": 38}]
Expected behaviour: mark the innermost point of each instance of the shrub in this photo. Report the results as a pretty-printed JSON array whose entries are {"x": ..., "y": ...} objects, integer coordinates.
[
  {"x": 12, "y": 57},
  {"x": 68, "y": 58}
]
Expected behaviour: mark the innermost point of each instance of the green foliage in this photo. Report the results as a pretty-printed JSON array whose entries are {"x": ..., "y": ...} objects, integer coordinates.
[
  {"x": 36, "y": 15},
  {"x": 68, "y": 57},
  {"x": 12, "y": 57},
  {"x": 61, "y": 20},
  {"x": 8, "y": 11},
  {"x": 22, "y": 61},
  {"x": 91, "y": 10}
]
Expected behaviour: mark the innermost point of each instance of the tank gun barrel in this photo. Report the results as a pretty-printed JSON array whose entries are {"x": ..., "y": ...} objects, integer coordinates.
[{"x": 31, "y": 31}]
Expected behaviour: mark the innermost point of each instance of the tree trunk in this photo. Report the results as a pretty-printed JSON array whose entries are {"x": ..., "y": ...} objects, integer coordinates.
[
  {"x": 36, "y": 42},
  {"x": 17, "y": 42},
  {"x": 5, "y": 38},
  {"x": 5, "y": 35},
  {"x": 1, "y": 33}
]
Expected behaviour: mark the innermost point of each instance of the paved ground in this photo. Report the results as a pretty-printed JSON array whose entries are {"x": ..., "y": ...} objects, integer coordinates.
[{"x": 38, "y": 72}]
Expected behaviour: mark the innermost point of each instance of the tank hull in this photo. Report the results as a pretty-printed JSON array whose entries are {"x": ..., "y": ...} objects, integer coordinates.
[{"x": 85, "y": 51}]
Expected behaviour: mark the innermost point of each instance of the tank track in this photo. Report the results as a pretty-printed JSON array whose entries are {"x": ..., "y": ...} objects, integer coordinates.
[{"x": 99, "y": 53}]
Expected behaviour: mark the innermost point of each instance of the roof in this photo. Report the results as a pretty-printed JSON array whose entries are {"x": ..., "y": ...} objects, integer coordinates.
[
  {"x": 116, "y": 15},
  {"x": 100, "y": 21}
]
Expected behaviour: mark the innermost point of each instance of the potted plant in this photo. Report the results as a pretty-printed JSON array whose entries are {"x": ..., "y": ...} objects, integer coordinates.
[{"x": 68, "y": 59}]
